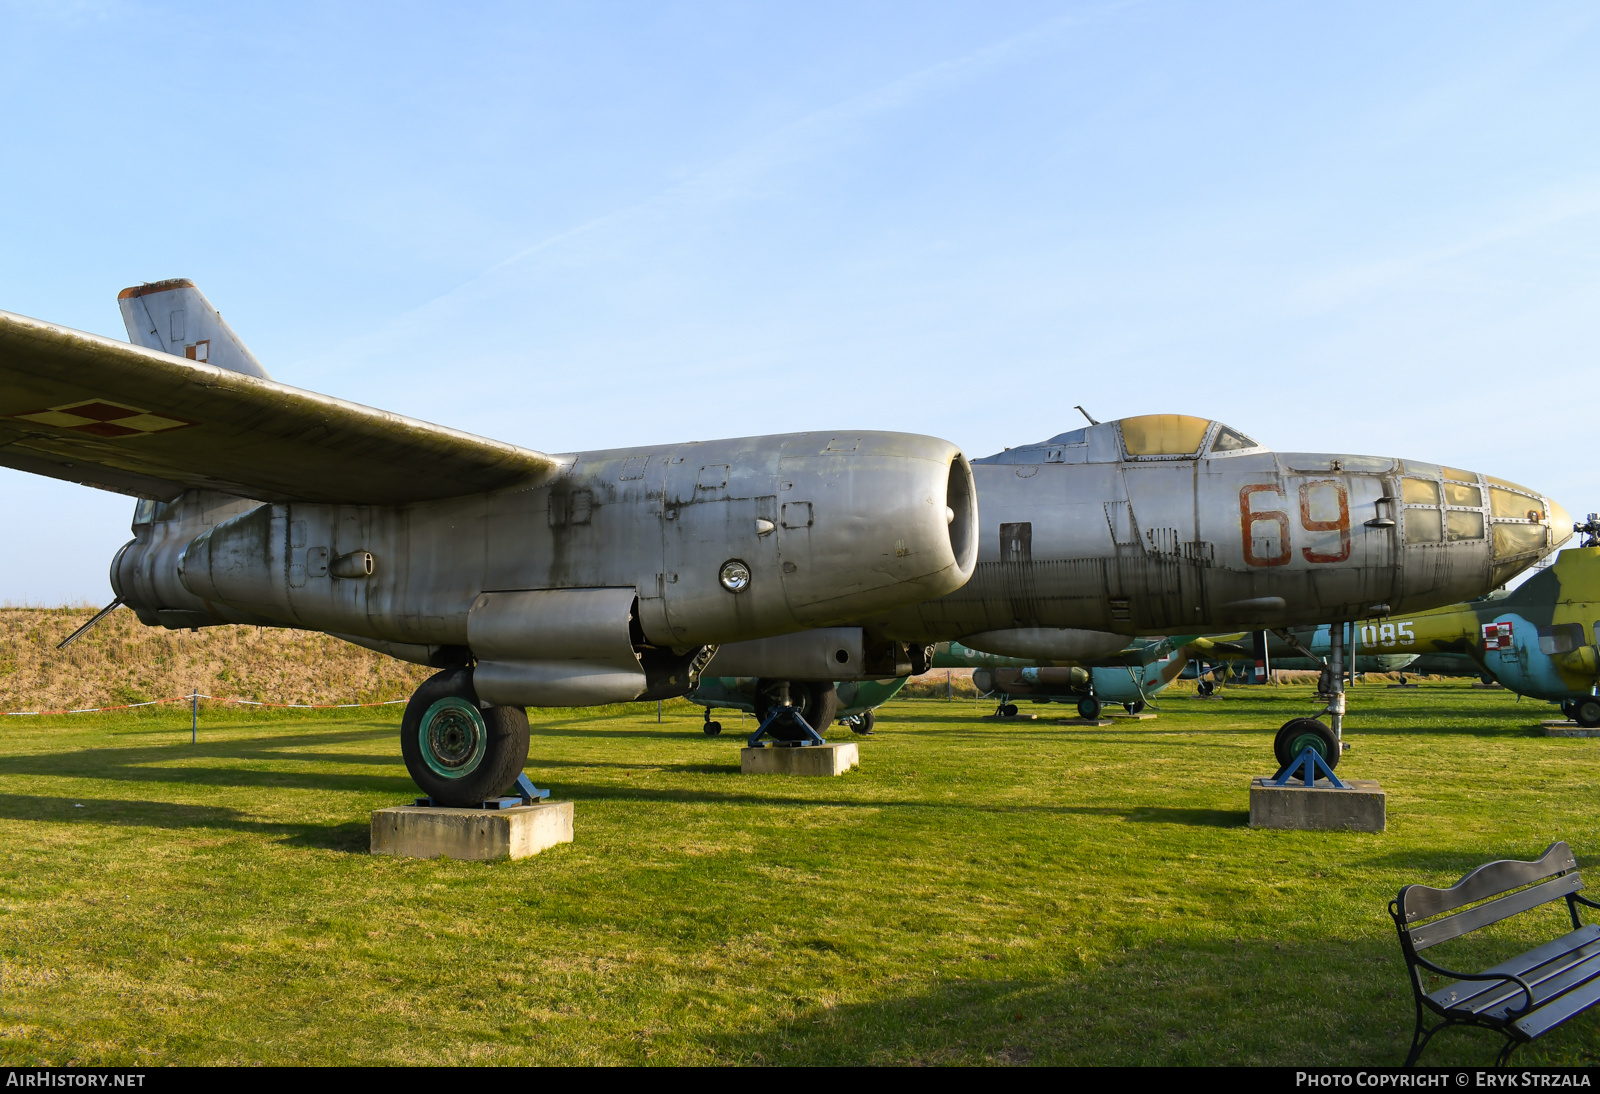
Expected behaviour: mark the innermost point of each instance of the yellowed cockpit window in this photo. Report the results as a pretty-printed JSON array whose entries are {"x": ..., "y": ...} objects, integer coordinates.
[
  {"x": 1517, "y": 539},
  {"x": 1456, "y": 493},
  {"x": 1422, "y": 526},
  {"x": 1163, "y": 434},
  {"x": 1461, "y": 525},
  {"x": 1419, "y": 491},
  {"x": 1505, "y": 504},
  {"x": 1458, "y": 474}
]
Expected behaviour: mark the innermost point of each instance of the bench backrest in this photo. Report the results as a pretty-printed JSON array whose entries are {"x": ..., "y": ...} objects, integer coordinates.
[{"x": 1555, "y": 872}]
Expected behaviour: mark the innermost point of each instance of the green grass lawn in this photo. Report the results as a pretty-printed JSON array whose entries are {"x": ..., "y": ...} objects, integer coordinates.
[{"x": 974, "y": 893}]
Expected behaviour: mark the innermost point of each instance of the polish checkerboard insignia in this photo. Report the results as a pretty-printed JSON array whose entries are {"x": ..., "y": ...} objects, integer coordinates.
[
  {"x": 1497, "y": 636},
  {"x": 103, "y": 418}
]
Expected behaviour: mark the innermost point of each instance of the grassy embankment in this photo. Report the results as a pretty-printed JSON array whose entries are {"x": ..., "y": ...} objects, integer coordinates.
[
  {"x": 121, "y": 661},
  {"x": 976, "y": 893}
]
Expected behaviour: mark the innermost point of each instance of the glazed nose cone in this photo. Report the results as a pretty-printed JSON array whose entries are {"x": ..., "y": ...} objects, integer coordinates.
[
  {"x": 1526, "y": 525},
  {"x": 1560, "y": 523}
]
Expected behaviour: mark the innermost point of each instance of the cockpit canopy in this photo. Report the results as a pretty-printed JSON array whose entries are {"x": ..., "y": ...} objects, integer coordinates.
[{"x": 1143, "y": 438}]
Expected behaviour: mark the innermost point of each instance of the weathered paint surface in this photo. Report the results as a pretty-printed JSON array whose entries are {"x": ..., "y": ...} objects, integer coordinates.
[{"x": 1084, "y": 531}]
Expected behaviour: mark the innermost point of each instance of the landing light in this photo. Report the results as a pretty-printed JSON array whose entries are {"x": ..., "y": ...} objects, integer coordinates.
[{"x": 735, "y": 576}]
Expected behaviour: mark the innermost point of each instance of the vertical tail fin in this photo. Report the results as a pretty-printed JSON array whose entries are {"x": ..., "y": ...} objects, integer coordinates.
[{"x": 175, "y": 317}]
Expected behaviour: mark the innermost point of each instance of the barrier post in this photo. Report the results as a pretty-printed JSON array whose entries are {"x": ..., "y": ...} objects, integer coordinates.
[{"x": 194, "y": 714}]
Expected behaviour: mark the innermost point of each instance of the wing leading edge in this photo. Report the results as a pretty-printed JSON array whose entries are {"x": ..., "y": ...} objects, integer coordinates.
[{"x": 104, "y": 413}]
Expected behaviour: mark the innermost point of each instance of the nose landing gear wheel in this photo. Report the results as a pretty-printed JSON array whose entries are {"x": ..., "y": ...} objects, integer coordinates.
[
  {"x": 816, "y": 702},
  {"x": 1205, "y": 687},
  {"x": 458, "y": 752},
  {"x": 862, "y": 726},
  {"x": 1301, "y": 733},
  {"x": 1134, "y": 707},
  {"x": 711, "y": 728}
]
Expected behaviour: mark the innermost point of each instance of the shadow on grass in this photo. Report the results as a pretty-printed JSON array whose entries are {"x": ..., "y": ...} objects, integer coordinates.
[
  {"x": 1172, "y": 1004},
  {"x": 350, "y": 836},
  {"x": 185, "y": 764},
  {"x": 1158, "y": 814}
]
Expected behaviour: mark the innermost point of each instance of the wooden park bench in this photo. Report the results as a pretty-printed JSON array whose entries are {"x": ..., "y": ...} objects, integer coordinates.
[{"x": 1523, "y": 998}]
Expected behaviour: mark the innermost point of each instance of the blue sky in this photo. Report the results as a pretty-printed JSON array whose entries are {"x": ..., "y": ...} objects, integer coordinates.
[{"x": 1358, "y": 227}]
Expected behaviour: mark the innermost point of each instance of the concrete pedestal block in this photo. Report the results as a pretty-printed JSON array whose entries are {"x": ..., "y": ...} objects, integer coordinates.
[
  {"x": 1559, "y": 727},
  {"x": 1083, "y": 721},
  {"x": 474, "y": 834},
  {"x": 1124, "y": 716},
  {"x": 1360, "y": 808},
  {"x": 809, "y": 760}
]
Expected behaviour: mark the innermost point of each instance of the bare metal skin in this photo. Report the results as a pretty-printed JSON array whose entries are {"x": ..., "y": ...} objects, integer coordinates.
[
  {"x": 1081, "y": 532},
  {"x": 588, "y": 577}
]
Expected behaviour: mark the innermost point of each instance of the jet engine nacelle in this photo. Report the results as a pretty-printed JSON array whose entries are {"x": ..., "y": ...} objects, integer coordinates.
[{"x": 701, "y": 544}]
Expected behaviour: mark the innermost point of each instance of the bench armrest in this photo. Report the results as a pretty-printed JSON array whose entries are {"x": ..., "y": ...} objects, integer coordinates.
[
  {"x": 1582, "y": 900},
  {"x": 1506, "y": 976}
]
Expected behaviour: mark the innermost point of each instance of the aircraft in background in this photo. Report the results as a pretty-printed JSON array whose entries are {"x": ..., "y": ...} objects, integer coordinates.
[
  {"x": 1542, "y": 639},
  {"x": 1301, "y": 649},
  {"x": 1172, "y": 524},
  {"x": 528, "y": 579},
  {"x": 855, "y": 700},
  {"x": 1131, "y": 677}
]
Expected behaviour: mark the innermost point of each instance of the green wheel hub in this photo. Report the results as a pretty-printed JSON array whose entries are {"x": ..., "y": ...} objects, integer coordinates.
[
  {"x": 1302, "y": 741},
  {"x": 453, "y": 738}
]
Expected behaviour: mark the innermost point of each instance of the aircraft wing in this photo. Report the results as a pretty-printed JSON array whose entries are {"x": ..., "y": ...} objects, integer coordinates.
[{"x": 104, "y": 413}]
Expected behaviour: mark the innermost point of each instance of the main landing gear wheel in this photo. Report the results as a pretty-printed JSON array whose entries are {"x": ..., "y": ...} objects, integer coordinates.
[
  {"x": 862, "y": 726},
  {"x": 1205, "y": 687},
  {"x": 457, "y": 751},
  {"x": 711, "y": 728},
  {"x": 817, "y": 702},
  {"x": 1089, "y": 709},
  {"x": 1586, "y": 712},
  {"x": 1301, "y": 733},
  {"x": 1134, "y": 707},
  {"x": 1007, "y": 710}
]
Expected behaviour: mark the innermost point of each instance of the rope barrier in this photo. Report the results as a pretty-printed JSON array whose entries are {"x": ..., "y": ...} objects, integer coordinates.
[{"x": 195, "y": 696}]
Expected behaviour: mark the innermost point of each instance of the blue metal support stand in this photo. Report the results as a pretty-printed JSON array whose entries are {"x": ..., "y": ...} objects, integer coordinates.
[
  {"x": 792, "y": 714},
  {"x": 1308, "y": 765},
  {"x": 523, "y": 792}
]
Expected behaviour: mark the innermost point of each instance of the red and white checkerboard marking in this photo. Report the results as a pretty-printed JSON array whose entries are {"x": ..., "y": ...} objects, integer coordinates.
[
  {"x": 1497, "y": 636},
  {"x": 103, "y": 418}
]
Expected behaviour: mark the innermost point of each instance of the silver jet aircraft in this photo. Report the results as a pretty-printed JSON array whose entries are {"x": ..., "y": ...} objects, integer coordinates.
[
  {"x": 530, "y": 579},
  {"x": 1171, "y": 524}
]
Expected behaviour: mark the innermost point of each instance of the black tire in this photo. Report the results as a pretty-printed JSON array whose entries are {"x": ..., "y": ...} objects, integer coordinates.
[
  {"x": 1297, "y": 734},
  {"x": 818, "y": 702},
  {"x": 1089, "y": 709},
  {"x": 1206, "y": 687},
  {"x": 863, "y": 725},
  {"x": 713, "y": 728},
  {"x": 1586, "y": 712},
  {"x": 1134, "y": 707},
  {"x": 1009, "y": 710},
  {"x": 457, "y": 751},
  {"x": 1569, "y": 709}
]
